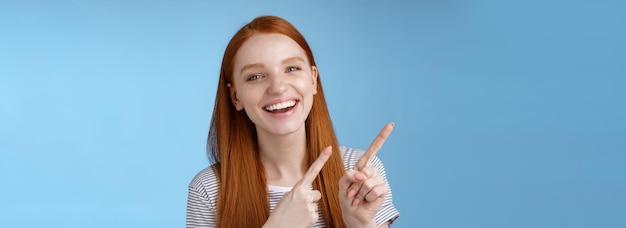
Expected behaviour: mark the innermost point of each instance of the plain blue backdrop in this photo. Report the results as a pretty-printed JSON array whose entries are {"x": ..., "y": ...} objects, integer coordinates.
[{"x": 508, "y": 113}]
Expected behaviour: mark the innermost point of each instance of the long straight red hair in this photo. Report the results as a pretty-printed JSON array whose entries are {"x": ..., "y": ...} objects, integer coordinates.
[{"x": 232, "y": 143}]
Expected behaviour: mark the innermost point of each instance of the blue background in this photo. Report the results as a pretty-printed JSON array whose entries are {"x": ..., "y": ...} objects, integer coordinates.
[{"x": 508, "y": 114}]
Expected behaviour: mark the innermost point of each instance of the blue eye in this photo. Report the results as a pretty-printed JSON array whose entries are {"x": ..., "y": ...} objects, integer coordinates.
[
  {"x": 254, "y": 77},
  {"x": 290, "y": 69}
]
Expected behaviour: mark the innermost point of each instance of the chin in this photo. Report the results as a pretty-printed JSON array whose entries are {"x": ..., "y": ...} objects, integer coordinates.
[{"x": 286, "y": 129}]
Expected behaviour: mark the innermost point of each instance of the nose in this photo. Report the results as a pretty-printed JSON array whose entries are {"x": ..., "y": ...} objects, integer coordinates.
[{"x": 278, "y": 85}]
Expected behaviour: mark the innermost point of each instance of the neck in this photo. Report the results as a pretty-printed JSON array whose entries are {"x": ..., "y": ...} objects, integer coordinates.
[{"x": 283, "y": 156}]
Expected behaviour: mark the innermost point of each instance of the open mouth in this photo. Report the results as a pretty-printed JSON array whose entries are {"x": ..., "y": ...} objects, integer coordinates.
[{"x": 281, "y": 107}]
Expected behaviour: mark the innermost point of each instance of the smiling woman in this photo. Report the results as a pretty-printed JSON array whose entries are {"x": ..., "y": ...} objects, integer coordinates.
[
  {"x": 275, "y": 85},
  {"x": 277, "y": 162}
]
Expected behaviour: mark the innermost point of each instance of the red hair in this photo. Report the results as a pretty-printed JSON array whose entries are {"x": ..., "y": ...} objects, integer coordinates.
[{"x": 232, "y": 143}]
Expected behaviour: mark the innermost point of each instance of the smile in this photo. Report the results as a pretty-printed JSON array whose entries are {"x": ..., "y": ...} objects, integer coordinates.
[{"x": 281, "y": 107}]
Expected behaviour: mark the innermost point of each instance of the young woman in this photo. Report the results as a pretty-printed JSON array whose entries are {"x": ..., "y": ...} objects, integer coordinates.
[{"x": 277, "y": 162}]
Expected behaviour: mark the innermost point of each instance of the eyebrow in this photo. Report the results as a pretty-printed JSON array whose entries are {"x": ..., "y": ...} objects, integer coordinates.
[
  {"x": 260, "y": 65},
  {"x": 292, "y": 59},
  {"x": 249, "y": 66}
]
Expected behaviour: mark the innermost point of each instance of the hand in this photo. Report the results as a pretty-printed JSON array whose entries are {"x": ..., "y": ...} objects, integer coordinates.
[
  {"x": 362, "y": 190},
  {"x": 298, "y": 207}
]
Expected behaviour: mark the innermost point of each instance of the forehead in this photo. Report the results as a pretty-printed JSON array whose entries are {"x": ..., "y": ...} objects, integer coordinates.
[{"x": 267, "y": 48}]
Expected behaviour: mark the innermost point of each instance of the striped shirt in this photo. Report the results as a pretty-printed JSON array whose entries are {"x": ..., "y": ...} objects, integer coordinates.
[{"x": 203, "y": 191}]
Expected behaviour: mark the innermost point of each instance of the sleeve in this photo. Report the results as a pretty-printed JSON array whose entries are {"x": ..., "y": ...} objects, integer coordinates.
[
  {"x": 200, "y": 213},
  {"x": 388, "y": 212}
]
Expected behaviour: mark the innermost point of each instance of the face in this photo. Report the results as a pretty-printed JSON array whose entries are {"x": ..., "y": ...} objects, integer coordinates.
[{"x": 274, "y": 83}]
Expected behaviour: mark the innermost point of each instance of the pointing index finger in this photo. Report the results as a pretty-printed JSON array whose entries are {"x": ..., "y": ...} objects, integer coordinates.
[
  {"x": 374, "y": 147},
  {"x": 315, "y": 168}
]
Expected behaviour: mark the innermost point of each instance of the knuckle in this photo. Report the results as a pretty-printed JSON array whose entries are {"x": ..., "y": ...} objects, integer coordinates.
[
  {"x": 360, "y": 196},
  {"x": 368, "y": 171},
  {"x": 379, "y": 191},
  {"x": 371, "y": 197},
  {"x": 373, "y": 171},
  {"x": 371, "y": 183},
  {"x": 367, "y": 185},
  {"x": 313, "y": 171},
  {"x": 310, "y": 171}
]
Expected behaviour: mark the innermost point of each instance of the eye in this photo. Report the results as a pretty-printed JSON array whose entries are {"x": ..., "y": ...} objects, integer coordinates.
[
  {"x": 254, "y": 77},
  {"x": 292, "y": 68}
]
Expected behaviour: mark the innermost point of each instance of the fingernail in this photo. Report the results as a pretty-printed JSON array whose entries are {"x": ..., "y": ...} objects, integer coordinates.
[
  {"x": 355, "y": 202},
  {"x": 351, "y": 193},
  {"x": 330, "y": 150},
  {"x": 360, "y": 176}
]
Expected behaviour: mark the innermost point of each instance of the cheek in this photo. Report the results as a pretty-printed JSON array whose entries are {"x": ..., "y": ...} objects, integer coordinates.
[
  {"x": 306, "y": 87},
  {"x": 249, "y": 101},
  {"x": 247, "y": 96}
]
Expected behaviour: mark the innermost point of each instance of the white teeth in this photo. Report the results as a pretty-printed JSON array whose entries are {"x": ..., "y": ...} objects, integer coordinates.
[{"x": 280, "y": 105}]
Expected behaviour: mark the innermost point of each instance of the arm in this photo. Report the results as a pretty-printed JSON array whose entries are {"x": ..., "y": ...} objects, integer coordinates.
[{"x": 199, "y": 211}]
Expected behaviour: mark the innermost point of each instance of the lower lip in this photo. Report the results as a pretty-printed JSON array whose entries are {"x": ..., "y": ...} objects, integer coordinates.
[{"x": 280, "y": 115}]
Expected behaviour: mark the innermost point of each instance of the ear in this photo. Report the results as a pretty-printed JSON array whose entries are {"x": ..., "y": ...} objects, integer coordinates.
[
  {"x": 314, "y": 75},
  {"x": 234, "y": 98}
]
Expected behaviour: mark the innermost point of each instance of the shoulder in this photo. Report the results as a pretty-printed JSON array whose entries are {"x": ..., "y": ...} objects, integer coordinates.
[
  {"x": 206, "y": 183},
  {"x": 350, "y": 156},
  {"x": 208, "y": 174},
  {"x": 202, "y": 198}
]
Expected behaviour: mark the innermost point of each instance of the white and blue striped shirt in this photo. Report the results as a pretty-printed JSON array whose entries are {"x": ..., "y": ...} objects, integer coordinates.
[{"x": 204, "y": 187}]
